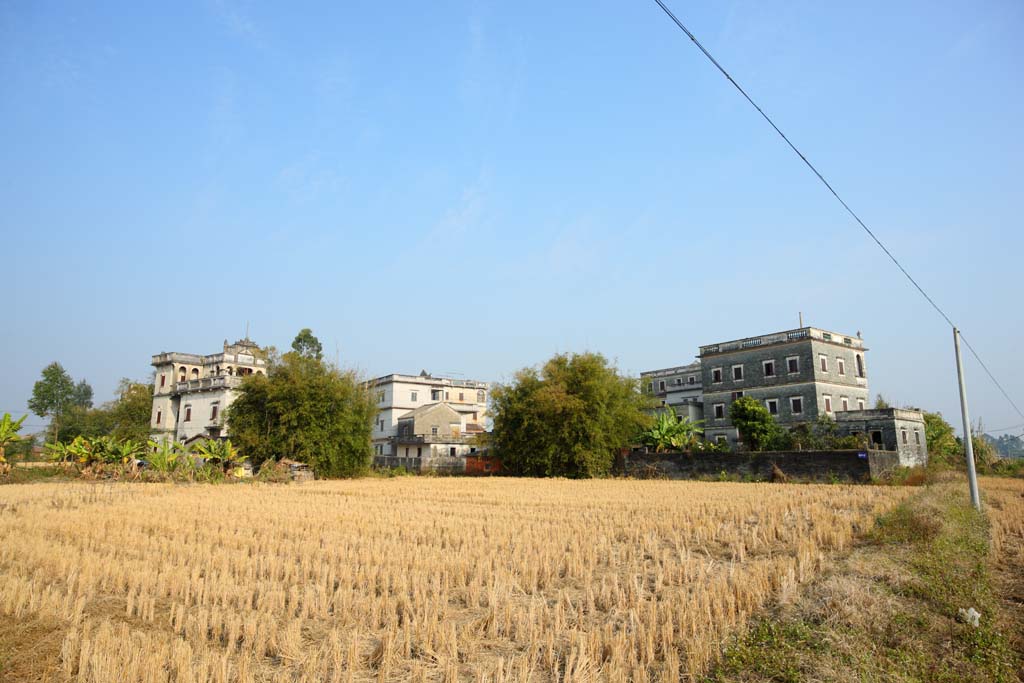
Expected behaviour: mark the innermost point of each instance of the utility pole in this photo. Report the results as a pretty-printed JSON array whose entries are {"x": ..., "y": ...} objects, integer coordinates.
[{"x": 972, "y": 477}]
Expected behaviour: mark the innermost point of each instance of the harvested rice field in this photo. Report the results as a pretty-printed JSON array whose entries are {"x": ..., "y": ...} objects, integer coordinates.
[{"x": 422, "y": 579}]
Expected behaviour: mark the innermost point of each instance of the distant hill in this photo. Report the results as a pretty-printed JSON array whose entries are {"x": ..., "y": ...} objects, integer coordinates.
[{"x": 1007, "y": 445}]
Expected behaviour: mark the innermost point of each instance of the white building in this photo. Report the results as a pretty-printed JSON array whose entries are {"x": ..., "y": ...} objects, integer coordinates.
[
  {"x": 192, "y": 392},
  {"x": 398, "y": 395},
  {"x": 679, "y": 387}
]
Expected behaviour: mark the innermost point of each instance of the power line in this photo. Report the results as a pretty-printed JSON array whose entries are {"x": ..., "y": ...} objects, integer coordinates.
[{"x": 835, "y": 194}]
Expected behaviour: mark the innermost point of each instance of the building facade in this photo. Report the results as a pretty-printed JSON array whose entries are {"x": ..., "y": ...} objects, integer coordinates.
[
  {"x": 889, "y": 429},
  {"x": 191, "y": 392},
  {"x": 680, "y": 388},
  {"x": 798, "y": 375},
  {"x": 398, "y": 395}
]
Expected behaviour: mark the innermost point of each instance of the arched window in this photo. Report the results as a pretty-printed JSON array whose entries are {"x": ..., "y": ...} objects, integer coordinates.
[
  {"x": 231, "y": 370},
  {"x": 860, "y": 366},
  {"x": 195, "y": 373},
  {"x": 182, "y": 374},
  {"x": 480, "y": 396}
]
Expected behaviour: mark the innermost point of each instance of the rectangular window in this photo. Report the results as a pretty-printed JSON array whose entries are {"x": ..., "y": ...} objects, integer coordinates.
[
  {"x": 158, "y": 416},
  {"x": 845, "y": 402},
  {"x": 823, "y": 362},
  {"x": 903, "y": 435},
  {"x": 716, "y": 375},
  {"x": 736, "y": 395},
  {"x": 720, "y": 438},
  {"x": 435, "y": 394},
  {"x": 719, "y": 411},
  {"x": 451, "y": 451},
  {"x": 446, "y": 395},
  {"x": 678, "y": 381},
  {"x": 860, "y": 404},
  {"x": 737, "y": 373},
  {"x": 213, "y": 413},
  {"x": 692, "y": 379},
  {"x": 163, "y": 380},
  {"x": 419, "y": 451},
  {"x": 433, "y": 431},
  {"x": 917, "y": 437},
  {"x": 188, "y": 415},
  {"x": 413, "y": 397},
  {"x": 796, "y": 405},
  {"x": 828, "y": 404},
  {"x": 841, "y": 366},
  {"x": 769, "y": 368},
  {"x": 772, "y": 405},
  {"x": 793, "y": 364},
  {"x": 650, "y": 387},
  {"x": 462, "y": 396},
  {"x": 661, "y": 385}
]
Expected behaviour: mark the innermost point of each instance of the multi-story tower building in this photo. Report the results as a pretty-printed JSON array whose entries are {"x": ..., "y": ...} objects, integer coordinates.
[
  {"x": 397, "y": 395},
  {"x": 679, "y": 388},
  {"x": 798, "y": 375},
  {"x": 192, "y": 392}
]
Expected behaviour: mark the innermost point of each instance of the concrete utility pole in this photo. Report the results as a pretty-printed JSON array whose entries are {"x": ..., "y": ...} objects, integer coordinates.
[{"x": 972, "y": 477}]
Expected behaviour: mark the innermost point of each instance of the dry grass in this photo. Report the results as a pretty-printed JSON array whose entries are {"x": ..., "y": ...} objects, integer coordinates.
[
  {"x": 408, "y": 579},
  {"x": 888, "y": 610}
]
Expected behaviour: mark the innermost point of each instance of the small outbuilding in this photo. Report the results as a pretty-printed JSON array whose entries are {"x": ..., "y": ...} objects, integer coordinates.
[{"x": 889, "y": 429}]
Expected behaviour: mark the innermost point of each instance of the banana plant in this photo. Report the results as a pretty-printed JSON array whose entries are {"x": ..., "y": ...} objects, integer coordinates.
[
  {"x": 123, "y": 452},
  {"x": 166, "y": 456},
  {"x": 221, "y": 453},
  {"x": 9, "y": 434}
]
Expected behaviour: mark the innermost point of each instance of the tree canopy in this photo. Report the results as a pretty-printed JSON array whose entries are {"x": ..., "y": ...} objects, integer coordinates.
[
  {"x": 306, "y": 410},
  {"x": 126, "y": 417},
  {"x": 307, "y": 345},
  {"x": 568, "y": 419},
  {"x": 758, "y": 429},
  {"x": 55, "y": 393}
]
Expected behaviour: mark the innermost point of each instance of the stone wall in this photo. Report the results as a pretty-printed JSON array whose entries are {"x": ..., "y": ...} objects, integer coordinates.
[
  {"x": 847, "y": 466},
  {"x": 441, "y": 464}
]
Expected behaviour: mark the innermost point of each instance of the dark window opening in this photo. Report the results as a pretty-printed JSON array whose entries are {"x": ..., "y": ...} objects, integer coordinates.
[
  {"x": 794, "y": 365},
  {"x": 769, "y": 369},
  {"x": 737, "y": 372}
]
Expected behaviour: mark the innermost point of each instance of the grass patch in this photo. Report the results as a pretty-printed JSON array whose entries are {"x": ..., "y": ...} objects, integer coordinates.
[{"x": 889, "y": 611}]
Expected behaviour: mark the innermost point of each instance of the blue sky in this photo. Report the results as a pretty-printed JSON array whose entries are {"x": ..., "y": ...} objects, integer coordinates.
[{"x": 471, "y": 187}]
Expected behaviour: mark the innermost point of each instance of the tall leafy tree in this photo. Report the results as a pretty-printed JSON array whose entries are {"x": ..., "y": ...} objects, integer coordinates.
[
  {"x": 307, "y": 345},
  {"x": 306, "y": 410},
  {"x": 757, "y": 428},
  {"x": 53, "y": 395},
  {"x": 568, "y": 419},
  {"x": 81, "y": 397},
  {"x": 130, "y": 412},
  {"x": 944, "y": 448}
]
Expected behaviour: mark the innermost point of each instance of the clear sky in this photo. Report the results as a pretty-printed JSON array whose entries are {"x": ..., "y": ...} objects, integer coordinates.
[{"x": 471, "y": 187}]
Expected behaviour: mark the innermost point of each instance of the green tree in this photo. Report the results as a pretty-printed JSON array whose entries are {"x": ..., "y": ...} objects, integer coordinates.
[
  {"x": 81, "y": 396},
  {"x": 944, "y": 448},
  {"x": 881, "y": 403},
  {"x": 307, "y": 345},
  {"x": 306, "y": 410},
  {"x": 757, "y": 428},
  {"x": 568, "y": 419},
  {"x": 53, "y": 395},
  {"x": 130, "y": 412}
]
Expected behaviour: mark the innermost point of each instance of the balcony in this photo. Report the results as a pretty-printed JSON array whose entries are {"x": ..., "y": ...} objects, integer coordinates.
[
  {"x": 209, "y": 383},
  {"x": 468, "y": 439}
]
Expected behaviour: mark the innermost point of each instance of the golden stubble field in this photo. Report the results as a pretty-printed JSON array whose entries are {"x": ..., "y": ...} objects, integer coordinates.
[{"x": 409, "y": 579}]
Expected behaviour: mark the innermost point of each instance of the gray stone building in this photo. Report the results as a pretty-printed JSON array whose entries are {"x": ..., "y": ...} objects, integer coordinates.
[
  {"x": 798, "y": 374},
  {"x": 678, "y": 387},
  {"x": 890, "y": 429}
]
